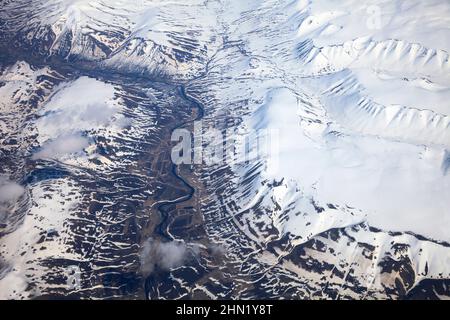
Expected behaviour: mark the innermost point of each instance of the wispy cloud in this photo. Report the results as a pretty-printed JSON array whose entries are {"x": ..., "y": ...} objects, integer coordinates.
[
  {"x": 68, "y": 112},
  {"x": 10, "y": 192}
]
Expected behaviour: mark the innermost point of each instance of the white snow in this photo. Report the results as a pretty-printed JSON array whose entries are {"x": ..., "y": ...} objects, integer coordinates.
[
  {"x": 398, "y": 186},
  {"x": 9, "y": 190},
  {"x": 357, "y": 91}
]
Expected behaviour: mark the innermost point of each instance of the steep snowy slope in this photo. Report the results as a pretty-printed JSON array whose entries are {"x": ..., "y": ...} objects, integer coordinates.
[
  {"x": 360, "y": 117},
  {"x": 134, "y": 36}
]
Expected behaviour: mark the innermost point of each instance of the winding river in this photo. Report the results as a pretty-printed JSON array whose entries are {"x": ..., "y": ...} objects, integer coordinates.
[{"x": 163, "y": 207}]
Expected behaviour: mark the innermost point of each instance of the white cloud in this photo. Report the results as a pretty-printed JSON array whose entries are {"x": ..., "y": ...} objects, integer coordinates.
[
  {"x": 397, "y": 186},
  {"x": 9, "y": 190},
  {"x": 162, "y": 255},
  {"x": 217, "y": 250}
]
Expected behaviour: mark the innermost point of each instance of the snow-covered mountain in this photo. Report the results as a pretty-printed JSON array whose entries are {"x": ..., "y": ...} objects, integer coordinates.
[{"x": 351, "y": 200}]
